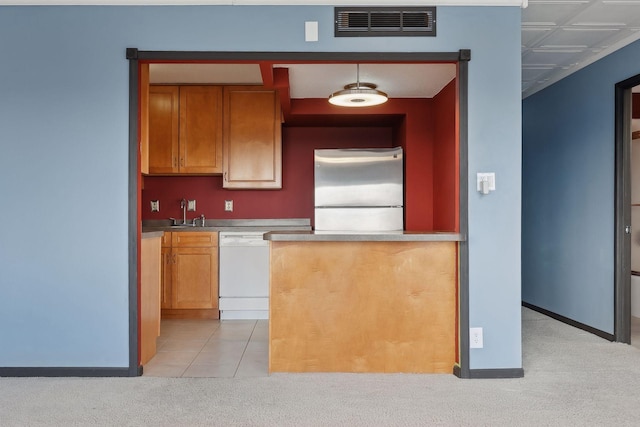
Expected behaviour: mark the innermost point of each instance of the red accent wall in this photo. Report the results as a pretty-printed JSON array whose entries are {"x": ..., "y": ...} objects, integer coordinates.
[
  {"x": 418, "y": 155},
  {"x": 294, "y": 200},
  {"x": 425, "y": 128},
  {"x": 445, "y": 183}
]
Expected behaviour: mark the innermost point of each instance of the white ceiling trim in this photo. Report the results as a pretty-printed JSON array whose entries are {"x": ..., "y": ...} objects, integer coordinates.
[{"x": 521, "y": 3}]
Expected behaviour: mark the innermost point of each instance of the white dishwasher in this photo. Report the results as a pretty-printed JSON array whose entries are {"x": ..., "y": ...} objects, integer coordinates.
[{"x": 244, "y": 275}]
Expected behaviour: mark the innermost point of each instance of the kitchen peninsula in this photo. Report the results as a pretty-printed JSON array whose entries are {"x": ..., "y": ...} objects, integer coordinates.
[{"x": 363, "y": 302}]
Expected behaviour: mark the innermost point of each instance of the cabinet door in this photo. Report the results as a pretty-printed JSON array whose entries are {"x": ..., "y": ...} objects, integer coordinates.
[
  {"x": 163, "y": 129},
  {"x": 143, "y": 96},
  {"x": 200, "y": 129},
  {"x": 195, "y": 272},
  {"x": 252, "y": 155},
  {"x": 165, "y": 278}
]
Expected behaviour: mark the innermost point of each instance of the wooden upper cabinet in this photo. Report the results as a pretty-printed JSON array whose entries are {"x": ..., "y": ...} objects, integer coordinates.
[
  {"x": 252, "y": 156},
  {"x": 163, "y": 129},
  {"x": 200, "y": 129},
  {"x": 185, "y": 130},
  {"x": 144, "y": 118}
]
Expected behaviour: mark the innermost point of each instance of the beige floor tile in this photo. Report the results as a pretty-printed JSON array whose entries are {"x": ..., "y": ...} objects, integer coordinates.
[
  {"x": 211, "y": 348},
  {"x": 227, "y": 370},
  {"x": 226, "y": 335},
  {"x": 175, "y": 344},
  {"x": 253, "y": 364},
  {"x": 174, "y": 357},
  {"x": 230, "y": 351}
]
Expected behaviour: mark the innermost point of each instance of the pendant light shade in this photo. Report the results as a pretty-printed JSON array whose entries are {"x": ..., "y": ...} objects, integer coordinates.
[{"x": 358, "y": 94}]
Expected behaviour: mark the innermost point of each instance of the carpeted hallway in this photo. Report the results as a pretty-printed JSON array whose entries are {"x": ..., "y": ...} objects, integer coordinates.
[{"x": 572, "y": 378}]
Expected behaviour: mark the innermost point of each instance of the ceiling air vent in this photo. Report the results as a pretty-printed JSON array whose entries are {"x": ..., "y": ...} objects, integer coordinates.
[{"x": 385, "y": 21}]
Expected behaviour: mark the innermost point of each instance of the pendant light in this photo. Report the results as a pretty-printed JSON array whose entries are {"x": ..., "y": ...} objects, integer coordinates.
[{"x": 358, "y": 94}]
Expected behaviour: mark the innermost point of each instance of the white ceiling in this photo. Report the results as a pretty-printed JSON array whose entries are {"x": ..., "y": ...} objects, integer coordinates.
[{"x": 560, "y": 37}]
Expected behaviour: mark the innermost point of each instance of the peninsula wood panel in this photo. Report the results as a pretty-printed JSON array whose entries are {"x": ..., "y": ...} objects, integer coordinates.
[
  {"x": 362, "y": 307},
  {"x": 149, "y": 297}
]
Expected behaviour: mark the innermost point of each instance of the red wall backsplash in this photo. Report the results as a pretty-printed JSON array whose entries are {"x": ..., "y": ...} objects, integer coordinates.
[
  {"x": 294, "y": 200},
  {"x": 425, "y": 128}
]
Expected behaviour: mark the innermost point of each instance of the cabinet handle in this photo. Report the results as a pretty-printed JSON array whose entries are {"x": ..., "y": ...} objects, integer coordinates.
[
  {"x": 174, "y": 258},
  {"x": 175, "y": 162},
  {"x": 225, "y": 176},
  {"x": 182, "y": 161}
]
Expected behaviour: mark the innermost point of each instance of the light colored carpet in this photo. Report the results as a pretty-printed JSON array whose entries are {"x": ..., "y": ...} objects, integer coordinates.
[{"x": 572, "y": 378}]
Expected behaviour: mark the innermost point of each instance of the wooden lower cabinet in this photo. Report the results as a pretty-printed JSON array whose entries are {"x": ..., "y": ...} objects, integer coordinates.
[{"x": 190, "y": 275}]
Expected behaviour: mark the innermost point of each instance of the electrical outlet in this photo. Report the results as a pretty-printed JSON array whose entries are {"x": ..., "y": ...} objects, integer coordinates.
[
  {"x": 155, "y": 206},
  {"x": 228, "y": 205},
  {"x": 475, "y": 338},
  {"x": 191, "y": 205}
]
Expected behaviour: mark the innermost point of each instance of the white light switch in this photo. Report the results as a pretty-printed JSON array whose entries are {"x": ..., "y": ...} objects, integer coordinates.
[
  {"x": 486, "y": 182},
  {"x": 311, "y": 31}
]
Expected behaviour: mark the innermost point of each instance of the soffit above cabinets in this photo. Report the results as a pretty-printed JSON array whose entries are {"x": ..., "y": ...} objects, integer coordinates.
[
  {"x": 561, "y": 36},
  {"x": 316, "y": 80},
  {"x": 223, "y": 74}
]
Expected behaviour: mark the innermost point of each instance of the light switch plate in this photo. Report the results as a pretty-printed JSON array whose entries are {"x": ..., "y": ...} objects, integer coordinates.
[
  {"x": 490, "y": 177},
  {"x": 155, "y": 206},
  {"x": 228, "y": 205},
  {"x": 311, "y": 31},
  {"x": 191, "y": 205}
]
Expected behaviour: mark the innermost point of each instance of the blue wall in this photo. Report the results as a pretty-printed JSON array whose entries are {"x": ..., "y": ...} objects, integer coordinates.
[
  {"x": 568, "y": 192},
  {"x": 63, "y": 171}
]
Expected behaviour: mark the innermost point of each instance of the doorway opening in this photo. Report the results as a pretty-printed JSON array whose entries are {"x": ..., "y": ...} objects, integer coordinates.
[
  {"x": 627, "y": 200},
  {"x": 136, "y": 58}
]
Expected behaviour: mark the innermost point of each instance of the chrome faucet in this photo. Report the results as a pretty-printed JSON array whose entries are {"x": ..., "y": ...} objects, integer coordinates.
[
  {"x": 195, "y": 221},
  {"x": 183, "y": 205}
]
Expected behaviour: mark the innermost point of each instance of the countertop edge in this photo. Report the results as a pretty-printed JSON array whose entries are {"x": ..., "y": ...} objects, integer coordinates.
[
  {"x": 160, "y": 229},
  {"x": 407, "y": 236}
]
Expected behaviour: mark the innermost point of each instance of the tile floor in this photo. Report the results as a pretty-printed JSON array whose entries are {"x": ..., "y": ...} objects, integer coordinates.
[
  {"x": 211, "y": 348},
  {"x": 227, "y": 348}
]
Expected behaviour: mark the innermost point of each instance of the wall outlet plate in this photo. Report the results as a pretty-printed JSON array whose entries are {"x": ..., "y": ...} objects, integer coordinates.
[
  {"x": 228, "y": 205},
  {"x": 191, "y": 205},
  {"x": 155, "y": 206},
  {"x": 475, "y": 338}
]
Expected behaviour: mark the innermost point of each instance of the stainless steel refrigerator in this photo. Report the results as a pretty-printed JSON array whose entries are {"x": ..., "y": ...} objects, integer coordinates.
[{"x": 359, "y": 189}]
